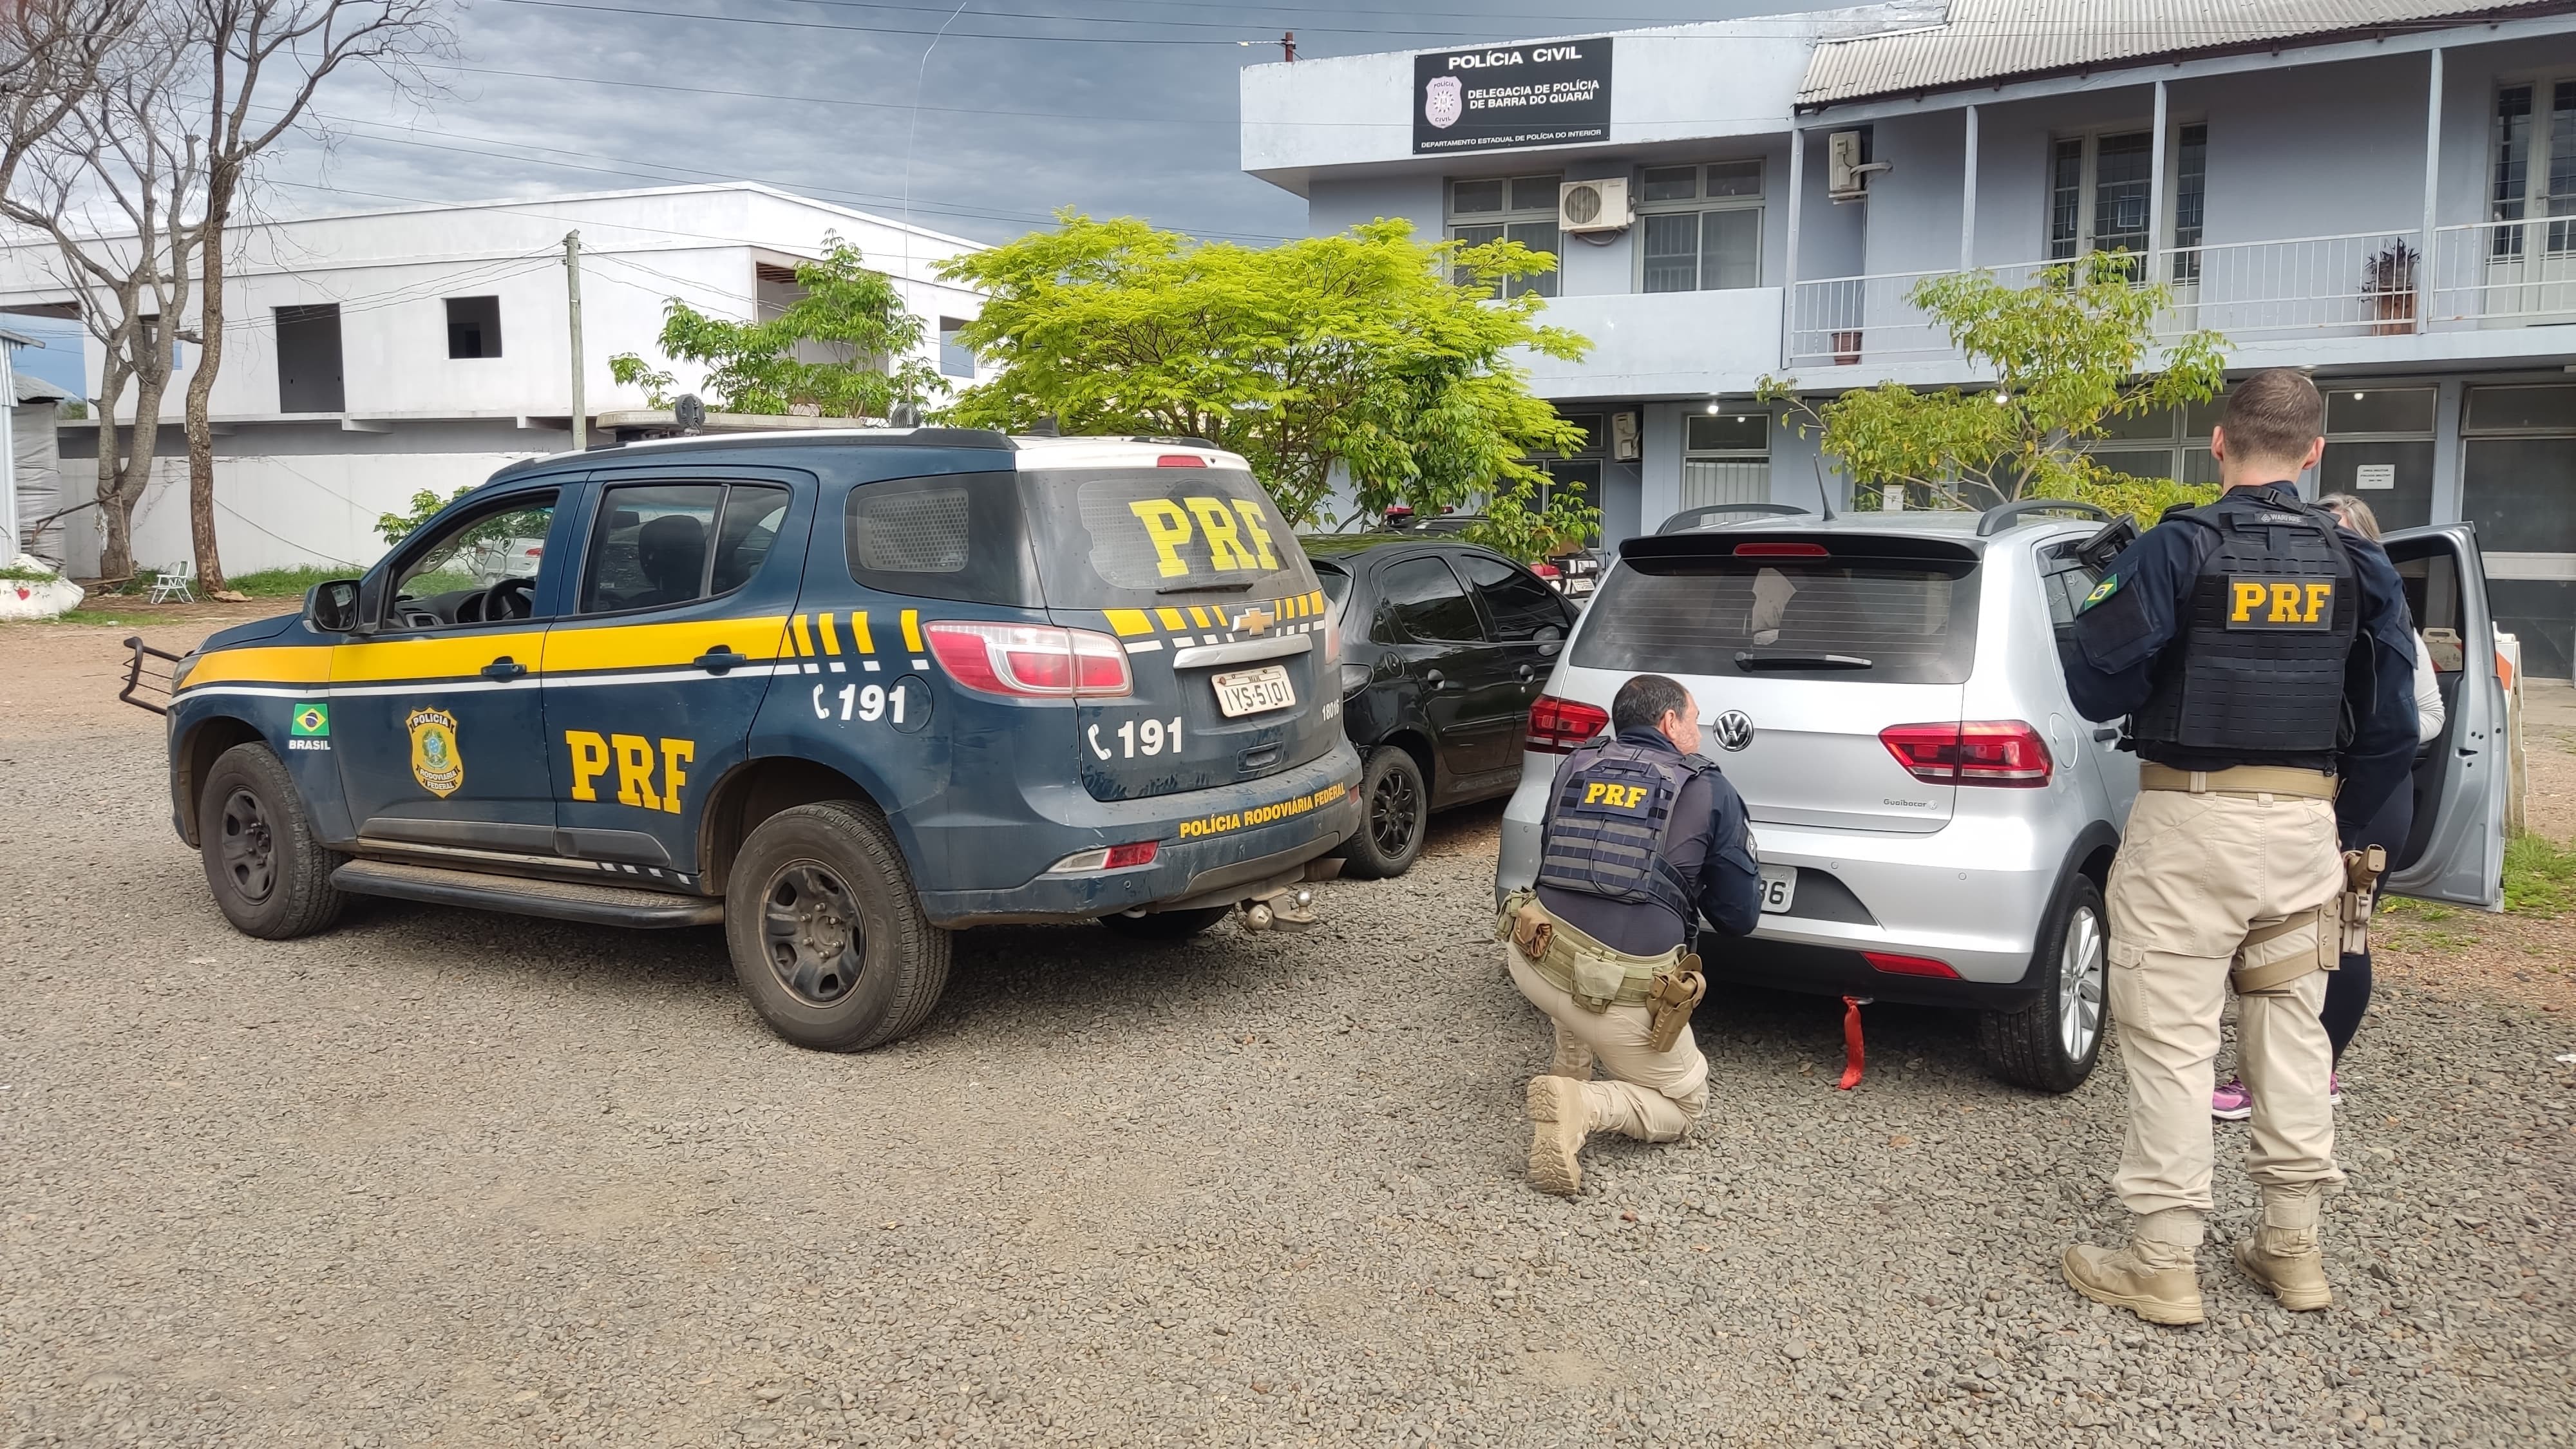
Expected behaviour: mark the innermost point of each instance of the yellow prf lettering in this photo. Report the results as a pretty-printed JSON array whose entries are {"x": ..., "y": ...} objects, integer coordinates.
[
  {"x": 1250, "y": 513},
  {"x": 2318, "y": 596},
  {"x": 676, "y": 753},
  {"x": 1216, "y": 525},
  {"x": 589, "y": 762},
  {"x": 1592, "y": 792},
  {"x": 1169, "y": 527},
  {"x": 2285, "y": 603},
  {"x": 1636, "y": 795},
  {"x": 635, "y": 771},
  {"x": 2248, "y": 596}
]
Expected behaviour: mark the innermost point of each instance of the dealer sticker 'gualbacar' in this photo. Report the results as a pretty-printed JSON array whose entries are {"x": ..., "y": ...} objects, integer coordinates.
[
  {"x": 1229, "y": 820},
  {"x": 435, "y": 762}
]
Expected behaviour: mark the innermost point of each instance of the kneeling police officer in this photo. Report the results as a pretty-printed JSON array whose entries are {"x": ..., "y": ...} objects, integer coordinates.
[
  {"x": 1643, "y": 836},
  {"x": 2266, "y": 664}
]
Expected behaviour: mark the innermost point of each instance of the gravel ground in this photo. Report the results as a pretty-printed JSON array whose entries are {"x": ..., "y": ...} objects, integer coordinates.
[{"x": 445, "y": 1177}]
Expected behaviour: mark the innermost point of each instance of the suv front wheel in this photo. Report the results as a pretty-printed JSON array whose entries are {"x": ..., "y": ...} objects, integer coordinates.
[
  {"x": 2052, "y": 1044},
  {"x": 827, "y": 938}
]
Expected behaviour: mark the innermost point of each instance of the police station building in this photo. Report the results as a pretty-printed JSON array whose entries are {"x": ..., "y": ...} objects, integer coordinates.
[{"x": 2381, "y": 192}]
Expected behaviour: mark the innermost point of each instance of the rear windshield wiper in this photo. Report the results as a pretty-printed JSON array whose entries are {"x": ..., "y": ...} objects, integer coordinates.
[
  {"x": 1744, "y": 659},
  {"x": 1188, "y": 586}
]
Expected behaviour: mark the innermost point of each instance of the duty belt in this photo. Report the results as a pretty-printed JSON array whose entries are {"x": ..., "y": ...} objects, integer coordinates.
[
  {"x": 1552, "y": 947},
  {"x": 2241, "y": 780}
]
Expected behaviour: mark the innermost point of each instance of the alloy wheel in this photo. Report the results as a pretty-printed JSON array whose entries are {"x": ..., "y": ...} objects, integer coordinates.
[
  {"x": 2080, "y": 981},
  {"x": 1395, "y": 813},
  {"x": 814, "y": 935},
  {"x": 249, "y": 849}
]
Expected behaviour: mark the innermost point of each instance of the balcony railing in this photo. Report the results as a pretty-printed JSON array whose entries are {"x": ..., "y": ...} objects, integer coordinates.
[
  {"x": 2356, "y": 285},
  {"x": 2505, "y": 273}
]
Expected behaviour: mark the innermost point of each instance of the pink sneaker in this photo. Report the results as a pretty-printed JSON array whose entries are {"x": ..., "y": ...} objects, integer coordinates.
[
  {"x": 2334, "y": 1089},
  {"x": 2231, "y": 1102}
]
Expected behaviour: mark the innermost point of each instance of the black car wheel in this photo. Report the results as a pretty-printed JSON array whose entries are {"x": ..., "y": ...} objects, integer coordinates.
[
  {"x": 2052, "y": 1044},
  {"x": 268, "y": 871},
  {"x": 1395, "y": 816},
  {"x": 1167, "y": 925},
  {"x": 827, "y": 938}
]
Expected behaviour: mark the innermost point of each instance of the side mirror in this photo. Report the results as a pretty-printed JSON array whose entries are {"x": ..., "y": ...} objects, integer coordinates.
[
  {"x": 332, "y": 607},
  {"x": 1550, "y": 639}
]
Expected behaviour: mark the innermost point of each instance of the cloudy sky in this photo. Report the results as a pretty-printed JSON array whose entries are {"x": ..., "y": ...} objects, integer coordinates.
[{"x": 1113, "y": 106}]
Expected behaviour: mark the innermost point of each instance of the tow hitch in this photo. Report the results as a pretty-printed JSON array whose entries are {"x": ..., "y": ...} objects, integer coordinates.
[{"x": 1288, "y": 907}]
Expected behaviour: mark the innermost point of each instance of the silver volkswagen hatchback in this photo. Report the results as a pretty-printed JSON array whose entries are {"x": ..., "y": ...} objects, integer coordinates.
[{"x": 1935, "y": 821}]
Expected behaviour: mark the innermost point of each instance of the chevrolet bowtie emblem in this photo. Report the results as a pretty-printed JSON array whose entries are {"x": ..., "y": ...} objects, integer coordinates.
[{"x": 1256, "y": 620}]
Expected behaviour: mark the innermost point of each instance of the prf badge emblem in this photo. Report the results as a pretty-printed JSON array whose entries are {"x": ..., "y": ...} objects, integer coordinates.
[{"x": 434, "y": 760}]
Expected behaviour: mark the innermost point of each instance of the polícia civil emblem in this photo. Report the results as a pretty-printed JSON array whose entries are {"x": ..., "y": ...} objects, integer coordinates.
[
  {"x": 434, "y": 760},
  {"x": 1443, "y": 101}
]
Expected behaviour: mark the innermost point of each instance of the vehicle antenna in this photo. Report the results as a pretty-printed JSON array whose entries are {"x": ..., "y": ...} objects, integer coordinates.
[{"x": 1824, "y": 495}]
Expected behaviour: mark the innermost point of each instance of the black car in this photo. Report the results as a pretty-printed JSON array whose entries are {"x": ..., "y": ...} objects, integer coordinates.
[{"x": 1444, "y": 647}]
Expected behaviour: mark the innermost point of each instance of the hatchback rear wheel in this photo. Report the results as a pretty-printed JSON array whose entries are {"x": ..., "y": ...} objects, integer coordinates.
[
  {"x": 827, "y": 937},
  {"x": 2052, "y": 1044},
  {"x": 1395, "y": 816}
]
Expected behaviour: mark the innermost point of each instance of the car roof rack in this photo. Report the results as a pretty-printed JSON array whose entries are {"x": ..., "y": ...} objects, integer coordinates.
[
  {"x": 1695, "y": 517},
  {"x": 2004, "y": 515}
]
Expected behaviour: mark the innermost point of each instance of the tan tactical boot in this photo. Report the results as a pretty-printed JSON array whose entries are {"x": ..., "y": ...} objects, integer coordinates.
[
  {"x": 2152, "y": 1277},
  {"x": 2282, "y": 1254},
  {"x": 1560, "y": 1116},
  {"x": 1573, "y": 1058}
]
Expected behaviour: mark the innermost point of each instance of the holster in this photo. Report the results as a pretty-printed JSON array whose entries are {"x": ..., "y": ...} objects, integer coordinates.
[
  {"x": 1676, "y": 992},
  {"x": 2361, "y": 872},
  {"x": 2255, "y": 970}
]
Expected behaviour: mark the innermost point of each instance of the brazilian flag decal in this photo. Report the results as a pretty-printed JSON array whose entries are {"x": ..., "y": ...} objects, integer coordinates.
[
  {"x": 310, "y": 721},
  {"x": 2110, "y": 585}
]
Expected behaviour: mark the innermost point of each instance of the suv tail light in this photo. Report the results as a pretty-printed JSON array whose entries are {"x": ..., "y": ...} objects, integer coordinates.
[
  {"x": 1971, "y": 752},
  {"x": 1559, "y": 726},
  {"x": 1039, "y": 661}
]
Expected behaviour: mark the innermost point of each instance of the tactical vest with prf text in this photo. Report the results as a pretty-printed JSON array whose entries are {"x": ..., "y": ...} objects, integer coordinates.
[
  {"x": 1605, "y": 832},
  {"x": 2256, "y": 667}
]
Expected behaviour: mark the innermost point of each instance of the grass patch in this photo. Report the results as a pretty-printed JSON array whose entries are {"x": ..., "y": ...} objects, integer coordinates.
[
  {"x": 102, "y": 616},
  {"x": 2539, "y": 876},
  {"x": 283, "y": 583}
]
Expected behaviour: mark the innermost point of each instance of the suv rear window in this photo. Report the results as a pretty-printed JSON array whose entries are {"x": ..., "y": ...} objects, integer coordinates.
[
  {"x": 1143, "y": 536},
  {"x": 1881, "y": 618}
]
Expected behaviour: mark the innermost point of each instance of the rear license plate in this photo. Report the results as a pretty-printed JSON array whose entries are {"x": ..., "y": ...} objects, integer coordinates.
[
  {"x": 1251, "y": 691},
  {"x": 1779, "y": 887}
]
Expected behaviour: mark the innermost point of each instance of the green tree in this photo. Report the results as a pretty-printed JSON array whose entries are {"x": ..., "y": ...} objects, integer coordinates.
[
  {"x": 2070, "y": 352},
  {"x": 1371, "y": 353},
  {"x": 844, "y": 349}
]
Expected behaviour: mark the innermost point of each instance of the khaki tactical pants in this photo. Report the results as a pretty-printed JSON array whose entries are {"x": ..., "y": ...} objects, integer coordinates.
[
  {"x": 2195, "y": 871},
  {"x": 1654, "y": 1095}
]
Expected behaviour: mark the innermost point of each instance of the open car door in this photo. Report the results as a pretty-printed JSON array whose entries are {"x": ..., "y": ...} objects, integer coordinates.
[{"x": 2454, "y": 851}]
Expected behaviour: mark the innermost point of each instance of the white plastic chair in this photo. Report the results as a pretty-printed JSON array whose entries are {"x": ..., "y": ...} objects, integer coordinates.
[{"x": 170, "y": 584}]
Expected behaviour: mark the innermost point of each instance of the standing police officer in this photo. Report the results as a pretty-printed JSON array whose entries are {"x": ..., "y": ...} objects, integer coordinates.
[
  {"x": 1643, "y": 837},
  {"x": 2263, "y": 657}
]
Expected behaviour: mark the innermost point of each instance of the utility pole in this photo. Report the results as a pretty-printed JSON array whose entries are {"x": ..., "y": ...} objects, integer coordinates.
[
  {"x": 1288, "y": 45},
  {"x": 572, "y": 284}
]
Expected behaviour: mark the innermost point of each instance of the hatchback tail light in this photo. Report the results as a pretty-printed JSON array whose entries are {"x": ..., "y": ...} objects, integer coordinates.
[
  {"x": 1546, "y": 571},
  {"x": 1039, "y": 661},
  {"x": 1560, "y": 726},
  {"x": 1971, "y": 752}
]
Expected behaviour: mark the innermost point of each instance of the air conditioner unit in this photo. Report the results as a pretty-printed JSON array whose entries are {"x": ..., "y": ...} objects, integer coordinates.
[
  {"x": 1623, "y": 437},
  {"x": 1848, "y": 167},
  {"x": 1583, "y": 206}
]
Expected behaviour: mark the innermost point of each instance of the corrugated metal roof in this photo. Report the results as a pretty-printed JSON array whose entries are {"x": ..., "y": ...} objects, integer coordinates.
[{"x": 1990, "y": 40}]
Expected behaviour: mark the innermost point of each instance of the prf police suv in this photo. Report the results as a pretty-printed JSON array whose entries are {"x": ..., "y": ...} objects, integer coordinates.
[{"x": 843, "y": 692}]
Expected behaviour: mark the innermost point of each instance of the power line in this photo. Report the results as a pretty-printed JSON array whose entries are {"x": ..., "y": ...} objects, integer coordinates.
[{"x": 867, "y": 29}]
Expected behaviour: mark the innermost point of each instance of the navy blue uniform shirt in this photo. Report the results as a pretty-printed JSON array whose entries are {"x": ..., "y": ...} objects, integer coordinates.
[
  {"x": 2161, "y": 566},
  {"x": 1707, "y": 845}
]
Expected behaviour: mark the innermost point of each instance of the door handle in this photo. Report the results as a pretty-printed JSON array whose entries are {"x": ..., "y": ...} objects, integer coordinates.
[
  {"x": 1526, "y": 673},
  {"x": 1435, "y": 679},
  {"x": 504, "y": 667},
  {"x": 719, "y": 659},
  {"x": 2106, "y": 734}
]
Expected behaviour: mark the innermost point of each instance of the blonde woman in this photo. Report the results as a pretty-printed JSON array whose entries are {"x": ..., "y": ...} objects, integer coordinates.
[{"x": 2348, "y": 988}]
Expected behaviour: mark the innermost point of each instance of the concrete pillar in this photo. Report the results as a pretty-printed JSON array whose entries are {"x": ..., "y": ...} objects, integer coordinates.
[
  {"x": 1659, "y": 469},
  {"x": 2448, "y": 450}
]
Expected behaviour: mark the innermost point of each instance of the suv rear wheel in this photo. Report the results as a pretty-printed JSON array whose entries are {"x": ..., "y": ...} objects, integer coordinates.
[
  {"x": 1395, "y": 817},
  {"x": 827, "y": 938},
  {"x": 2052, "y": 1044},
  {"x": 268, "y": 871}
]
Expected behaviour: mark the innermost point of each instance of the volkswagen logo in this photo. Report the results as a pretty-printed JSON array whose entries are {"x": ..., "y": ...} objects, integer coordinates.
[{"x": 1734, "y": 730}]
